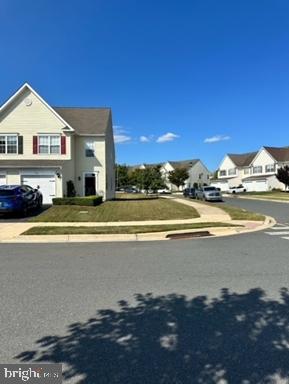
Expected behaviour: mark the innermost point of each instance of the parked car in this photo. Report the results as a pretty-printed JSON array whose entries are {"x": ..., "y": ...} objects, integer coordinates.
[
  {"x": 238, "y": 189},
  {"x": 19, "y": 199},
  {"x": 130, "y": 190},
  {"x": 189, "y": 192},
  {"x": 164, "y": 191},
  {"x": 209, "y": 194}
]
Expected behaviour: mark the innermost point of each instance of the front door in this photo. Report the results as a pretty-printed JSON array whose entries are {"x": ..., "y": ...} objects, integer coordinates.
[{"x": 89, "y": 184}]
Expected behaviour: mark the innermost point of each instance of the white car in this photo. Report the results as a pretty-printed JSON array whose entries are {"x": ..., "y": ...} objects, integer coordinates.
[{"x": 238, "y": 189}]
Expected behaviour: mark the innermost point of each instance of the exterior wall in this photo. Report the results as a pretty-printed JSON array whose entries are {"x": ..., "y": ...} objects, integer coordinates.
[
  {"x": 233, "y": 180},
  {"x": 90, "y": 164},
  {"x": 165, "y": 170},
  {"x": 262, "y": 159},
  {"x": 29, "y": 121},
  {"x": 198, "y": 174},
  {"x": 109, "y": 163}
]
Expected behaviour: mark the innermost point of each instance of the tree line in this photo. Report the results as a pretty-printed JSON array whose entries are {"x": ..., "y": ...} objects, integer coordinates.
[{"x": 149, "y": 178}]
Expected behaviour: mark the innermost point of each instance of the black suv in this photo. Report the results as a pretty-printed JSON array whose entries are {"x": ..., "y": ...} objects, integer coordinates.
[{"x": 189, "y": 192}]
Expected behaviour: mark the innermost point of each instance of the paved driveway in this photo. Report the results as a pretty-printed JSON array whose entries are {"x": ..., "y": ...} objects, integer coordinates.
[{"x": 51, "y": 296}]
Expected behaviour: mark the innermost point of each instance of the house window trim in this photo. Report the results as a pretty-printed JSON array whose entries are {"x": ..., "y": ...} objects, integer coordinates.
[
  {"x": 232, "y": 172},
  {"x": 6, "y": 144},
  {"x": 272, "y": 166},
  {"x": 257, "y": 166},
  {"x": 224, "y": 171},
  {"x": 49, "y": 135},
  {"x": 87, "y": 143}
]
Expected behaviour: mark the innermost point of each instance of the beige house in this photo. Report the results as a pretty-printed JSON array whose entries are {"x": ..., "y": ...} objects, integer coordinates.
[
  {"x": 256, "y": 171},
  {"x": 198, "y": 172},
  {"x": 45, "y": 147}
]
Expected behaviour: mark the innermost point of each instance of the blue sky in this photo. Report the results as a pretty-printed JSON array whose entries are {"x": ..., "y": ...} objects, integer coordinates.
[{"x": 185, "y": 79}]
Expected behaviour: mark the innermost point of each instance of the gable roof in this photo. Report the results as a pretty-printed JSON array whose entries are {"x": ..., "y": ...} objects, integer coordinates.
[
  {"x": 242, "y": 160},
  {"x": 86, "y": 121},
  {"x": 279, "y": 154},
  {"x": 187, "y": 164},
  {"x": 20, "y": 91}
]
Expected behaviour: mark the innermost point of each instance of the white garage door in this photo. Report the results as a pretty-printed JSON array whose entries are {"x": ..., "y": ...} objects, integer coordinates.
[
  {"x": 223, "y": 185},
  {"x": 261, "y": 186},
  {"x": 45, "y": 183},
  {"x": 2, "y": 179},
  {"x": 256, "y": 185}
]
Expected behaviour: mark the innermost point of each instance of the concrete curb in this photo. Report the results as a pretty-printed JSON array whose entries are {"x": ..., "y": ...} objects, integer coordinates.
[{"x": 154, "y": 236}]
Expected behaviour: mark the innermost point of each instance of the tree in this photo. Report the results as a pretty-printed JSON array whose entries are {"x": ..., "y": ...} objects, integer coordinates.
[
  {"x": 147, "y": 179},
  {"x": 121, "y": 176},
  {"x": 178, "y": 176},
  {"x": 283, "y": 175},
  {"x": 70, "y": 189}
]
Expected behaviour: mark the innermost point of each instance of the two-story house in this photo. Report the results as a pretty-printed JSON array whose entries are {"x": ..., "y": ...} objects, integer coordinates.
[
  {"x": 198, "y": 172},
  {"x": 255, "y": 170},
  {"x": 232, "y": 170},
  {"x": 46, "y": 147}
]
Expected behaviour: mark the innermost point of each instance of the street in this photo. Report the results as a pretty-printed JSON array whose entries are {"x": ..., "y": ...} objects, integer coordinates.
[{"x": 50, "y": 294}]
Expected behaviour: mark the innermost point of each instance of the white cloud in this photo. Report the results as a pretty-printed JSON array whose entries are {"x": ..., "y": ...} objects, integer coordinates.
[
  {"x": 144, "y": 139},
  {"x": 216, "y": 139},
  {"x": 120, "y": 139},
  {"x": 120, "y": 135},
  {"x": 167, "y": 137}
]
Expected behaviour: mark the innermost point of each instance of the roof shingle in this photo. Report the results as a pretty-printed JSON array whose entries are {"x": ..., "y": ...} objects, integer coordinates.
[
  {"x": 86, "y": 121},
  {"x": 242, "y": 160}
]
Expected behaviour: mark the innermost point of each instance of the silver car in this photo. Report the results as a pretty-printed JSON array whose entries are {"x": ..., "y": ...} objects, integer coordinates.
[{"x": 209, "y": 194}]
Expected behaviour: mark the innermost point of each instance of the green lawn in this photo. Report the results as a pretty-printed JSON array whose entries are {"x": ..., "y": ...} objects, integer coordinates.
[
  {"x": 241, "y": 214},
  {"x": 119, "y": 210},
  {"x": 274, "y": 195},
  {"x": 118, "y": 230}
]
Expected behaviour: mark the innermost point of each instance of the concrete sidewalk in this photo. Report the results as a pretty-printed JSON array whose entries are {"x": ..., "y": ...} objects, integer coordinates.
[{"x": 11, "y": 232}]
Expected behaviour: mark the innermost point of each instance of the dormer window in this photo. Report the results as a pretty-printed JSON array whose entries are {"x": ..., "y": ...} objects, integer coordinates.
[{"x": 8, "y": 144}]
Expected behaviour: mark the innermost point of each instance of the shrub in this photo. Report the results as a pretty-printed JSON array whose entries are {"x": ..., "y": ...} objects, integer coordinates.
[{"x": 85, "y": 201}]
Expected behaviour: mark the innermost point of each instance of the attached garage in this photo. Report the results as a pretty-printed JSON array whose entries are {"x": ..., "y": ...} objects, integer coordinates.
[
  {"x": 2, "y": 179},
  {"x": 222, "y": 184},
  {"x": 44, "y": 182},
  {"x": 256, "y": 184}
]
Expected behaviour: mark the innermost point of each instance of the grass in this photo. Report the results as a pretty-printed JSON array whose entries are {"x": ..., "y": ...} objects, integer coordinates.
[
  {"x": 118, "y": 230},
  {"x": 236, "y": 213},
  {"x": 134, "y": 196},
  {"x": 119, "y": 210},
  {"x": 241, "y": 214},
  {"x": 274, "y": 195}
]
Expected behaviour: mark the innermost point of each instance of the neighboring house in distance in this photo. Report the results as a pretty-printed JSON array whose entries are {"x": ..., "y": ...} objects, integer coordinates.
[
  {"x": 45, "y": 147},
  {"x": 232, "y": 170},
  {"x": 255, "y": 170},
  {"x": 198, "y": 172}
]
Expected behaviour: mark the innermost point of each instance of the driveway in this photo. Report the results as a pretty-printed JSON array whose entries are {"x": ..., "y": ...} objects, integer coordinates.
[
  {"x": 14, "y": 218},
  {"x": 71, "y": 303}
]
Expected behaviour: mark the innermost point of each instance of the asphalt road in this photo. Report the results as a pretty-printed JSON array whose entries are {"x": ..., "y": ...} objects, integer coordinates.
[{"x": 177, "y": 312}]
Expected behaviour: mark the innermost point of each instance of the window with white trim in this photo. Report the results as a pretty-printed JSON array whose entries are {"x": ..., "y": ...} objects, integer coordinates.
[
  {"x": 8, "y": 144},
  {"x": 223, "y": 173},
  {"x": 270, "y": 168},
  {"x": 258, "y": 169},
  {"x": 49, "y": 144},
  {"x": 232, "y": 171},
  {"x": 89, "y": 149},
  {"x": 246, "y": 171}
]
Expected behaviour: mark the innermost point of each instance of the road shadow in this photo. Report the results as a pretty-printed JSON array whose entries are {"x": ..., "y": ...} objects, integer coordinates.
[{"x": 234, "y": 338}]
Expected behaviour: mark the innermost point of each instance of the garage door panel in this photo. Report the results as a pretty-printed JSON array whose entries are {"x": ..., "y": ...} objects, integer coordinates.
[
  {"x": 45, "y": 183},
  {"x": 2, "y": 179}
]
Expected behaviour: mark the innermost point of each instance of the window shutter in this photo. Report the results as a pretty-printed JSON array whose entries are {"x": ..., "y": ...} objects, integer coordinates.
[
  {"x": 35, "y": 145},
  {"x": 20, "y": 145},
  {"x": 63, "y": 145}
]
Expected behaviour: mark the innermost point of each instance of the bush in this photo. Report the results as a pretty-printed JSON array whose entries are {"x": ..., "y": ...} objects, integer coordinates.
[
  {"x": 91, "y": 201},
  {"x": 70, "y": 189}
]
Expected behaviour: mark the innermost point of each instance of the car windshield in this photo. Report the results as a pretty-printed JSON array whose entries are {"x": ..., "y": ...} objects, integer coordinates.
[
  {"x": 7, "y": 192},
  {"x": 210, "y": 189}
]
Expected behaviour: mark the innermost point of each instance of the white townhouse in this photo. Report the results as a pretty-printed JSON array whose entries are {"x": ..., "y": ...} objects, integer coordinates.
[
  {"x": 255, "y": 170},
  {"x": 45, "y": 147},
  {"x": 198, "y": 172}
]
